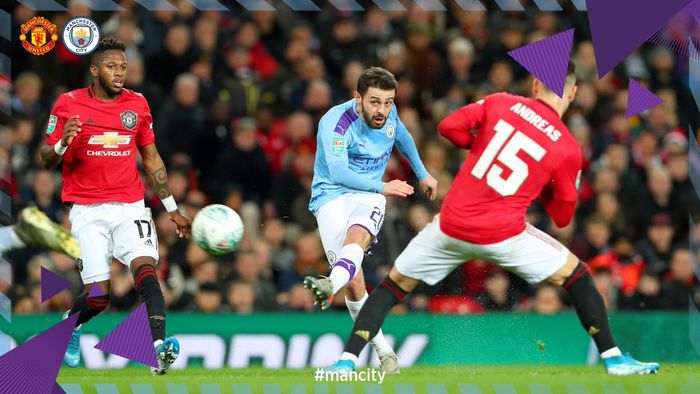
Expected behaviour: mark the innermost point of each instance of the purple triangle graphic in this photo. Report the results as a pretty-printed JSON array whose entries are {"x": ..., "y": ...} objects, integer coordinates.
[
  {"x": 694, "y": 9},
  {"x": 51, "y": 284},
  {"x": 614, "y": 40},
  {"x": 95, "y": 291},
  {"x": 33, "y": 366},
  {"x": 639, "y": 99},
  {"x": 547, "y": 59},
  {"x": 57, "y": 389},
  {"x": 132, "y": 339}
]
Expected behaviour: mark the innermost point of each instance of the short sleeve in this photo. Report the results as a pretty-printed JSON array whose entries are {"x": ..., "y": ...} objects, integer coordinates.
[
  {"x": 57, "y": 121},
  {"x": 145, "y": 135}
]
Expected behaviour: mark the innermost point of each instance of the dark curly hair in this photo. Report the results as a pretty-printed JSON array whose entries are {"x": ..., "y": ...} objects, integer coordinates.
[
  {"x": 106, "y": 44},
  {"x": 376, "y": 77}
]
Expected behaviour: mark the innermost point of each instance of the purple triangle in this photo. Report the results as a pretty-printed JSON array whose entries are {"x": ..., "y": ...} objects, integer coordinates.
[
  {"x": 51, "y": 284},
  {"x": 639, "y": 99},
  {"x": 547, "y": 59},
  {"x": 613, "y": 39},
  {"x": 95, "y": 291},
  {"x": 132, "y": 339},
  {"x": 57, "y": 389},
  {"x": 33, "y": 366}
]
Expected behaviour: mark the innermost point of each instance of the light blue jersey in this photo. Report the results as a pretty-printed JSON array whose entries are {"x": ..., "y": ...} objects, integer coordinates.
[{"x": 351, "y": 156}]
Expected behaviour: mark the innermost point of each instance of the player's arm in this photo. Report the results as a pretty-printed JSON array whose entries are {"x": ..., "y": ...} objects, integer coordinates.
[
  {"x": 560, "y": 195},
  {"x": 407, "y": 147},
  {"x": 458, "y": 125},
  {"x": 336, "y": 155},
  {"x": 155, "y": 168},
  {"x": 60, "y": 133}
]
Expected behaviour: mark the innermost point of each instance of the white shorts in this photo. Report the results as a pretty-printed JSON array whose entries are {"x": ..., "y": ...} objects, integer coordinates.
[
  {"x": 105, "y": 230},
  {"x": 432, "y": 255},
  {"x": 353, "y": 209}
]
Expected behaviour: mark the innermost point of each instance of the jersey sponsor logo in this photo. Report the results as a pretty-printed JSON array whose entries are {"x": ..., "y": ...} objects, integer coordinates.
[
  {"x": 110, "y": 139},
  {"x": 338, "y": 145},
  {"x": 390, "y": 131},
  {"x": 53, "y": 120},
  {"x": 109, "y": 153},
  {"x": 129, "y": 119},
  {"x": 38, "y": 36},
  {"x": 81, "y": 35}
]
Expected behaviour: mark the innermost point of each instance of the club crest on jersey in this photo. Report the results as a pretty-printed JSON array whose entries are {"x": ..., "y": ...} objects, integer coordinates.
[
  {"x": 129, "y": 119},
  {"x": 390, "y": 131},
  {"x": 331, "y": 257}
]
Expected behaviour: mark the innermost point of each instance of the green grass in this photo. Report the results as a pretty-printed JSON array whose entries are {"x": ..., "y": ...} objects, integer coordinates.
[{"x": 673, "y": 379}]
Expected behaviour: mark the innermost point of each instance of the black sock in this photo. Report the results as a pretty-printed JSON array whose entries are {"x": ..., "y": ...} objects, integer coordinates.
[
  {"x": 590, "y": 306},
  {"x": 147, "y": 286},
  {"x": 88, "y": 307},
  {"x": 372, "y": 315}
]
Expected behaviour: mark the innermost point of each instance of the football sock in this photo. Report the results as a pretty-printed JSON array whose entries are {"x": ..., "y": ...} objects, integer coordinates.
[
  {"x": 372, "y": 315},
  {"x": 344, "y": 269},
  {"x": 590, "y": 307},
  {"x": 88, "y": 307},
  {"x": 146, "y": 283},
  {"x": 381, "y": 346},
  {"x": 9, "y": 239},
  {"x": 614, "y": 352}
]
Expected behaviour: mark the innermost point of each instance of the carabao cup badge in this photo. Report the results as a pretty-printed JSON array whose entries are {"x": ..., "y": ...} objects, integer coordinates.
[{"x": 81, "y": 35}]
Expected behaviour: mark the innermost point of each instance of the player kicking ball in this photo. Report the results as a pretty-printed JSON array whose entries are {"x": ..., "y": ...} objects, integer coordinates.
[
  {"x": 35, "y": 229},
  {"x": 97, "y": 131},
  {"x": 355, "y": 141},
  {"x": 521, "y": 150}
]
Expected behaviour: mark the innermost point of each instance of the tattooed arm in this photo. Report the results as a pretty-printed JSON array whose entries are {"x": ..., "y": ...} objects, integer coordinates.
[{"x": 155, "y": 168}]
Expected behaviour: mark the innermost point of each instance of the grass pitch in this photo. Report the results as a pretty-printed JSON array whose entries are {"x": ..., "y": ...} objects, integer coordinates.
[{"x": 530, "y": 379}]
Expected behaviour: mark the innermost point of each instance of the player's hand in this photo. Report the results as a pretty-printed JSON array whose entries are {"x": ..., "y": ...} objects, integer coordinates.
[
  {"x": 184, "y": 224},
  {"x": 397, "y": 188},
  {"x": 430, "y": 185},
  {"x": 71, "y": 130}
]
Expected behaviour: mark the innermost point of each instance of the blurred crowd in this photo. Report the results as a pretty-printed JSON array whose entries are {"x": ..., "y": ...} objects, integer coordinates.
[{"x": 236, "y": 97}]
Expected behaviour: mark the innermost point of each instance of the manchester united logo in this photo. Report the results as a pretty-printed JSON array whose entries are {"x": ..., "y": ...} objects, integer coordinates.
[
  {"x": 129, "y": 119},
  {"x": 38, "y": 35}
]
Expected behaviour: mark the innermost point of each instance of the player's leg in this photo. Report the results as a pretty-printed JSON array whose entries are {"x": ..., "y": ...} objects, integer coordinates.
[
  {"x": 34, "y": 228},
  {"x": 537, "y": 257},
  {"x": 137, "y": 242},
  {"x": 94, "y": 266},
  {"x": 355, "y": 297},
  {"x": 576, "y": 279},
  {"x": 429, "y": 257}
]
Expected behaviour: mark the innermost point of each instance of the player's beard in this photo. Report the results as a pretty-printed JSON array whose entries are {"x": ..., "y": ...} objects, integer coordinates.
[
  {"x": 369, "y": 120},
  {"x": 111, "y": 91}
]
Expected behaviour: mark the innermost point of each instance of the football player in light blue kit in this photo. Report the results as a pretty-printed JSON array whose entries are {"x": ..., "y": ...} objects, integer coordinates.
[{"x": 355, "y": 141}]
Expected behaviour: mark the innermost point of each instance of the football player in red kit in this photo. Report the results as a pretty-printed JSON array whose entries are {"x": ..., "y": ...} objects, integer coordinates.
[
  {"x": 521, "y": 150},
  {"x": 96, "y": 132}
]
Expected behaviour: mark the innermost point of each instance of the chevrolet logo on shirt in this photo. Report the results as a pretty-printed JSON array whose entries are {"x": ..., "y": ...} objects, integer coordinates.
[{"x": 110, "y": 140}]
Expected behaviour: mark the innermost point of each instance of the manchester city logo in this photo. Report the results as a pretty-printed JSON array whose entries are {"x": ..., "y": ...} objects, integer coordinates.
[
  {"x": 129, "y": 119},
  {"x": 81, "y": 35},
  {"x": 390, "y": 131}
]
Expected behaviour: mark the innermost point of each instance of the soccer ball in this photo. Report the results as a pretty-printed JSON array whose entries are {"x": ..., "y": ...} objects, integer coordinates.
[{"x": 217, "y": 229}]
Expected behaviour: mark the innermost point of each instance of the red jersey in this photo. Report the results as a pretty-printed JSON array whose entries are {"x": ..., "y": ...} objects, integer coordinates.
[
  {"x": 521, "y": 149},
  {"x": 100, "y": 164}
]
